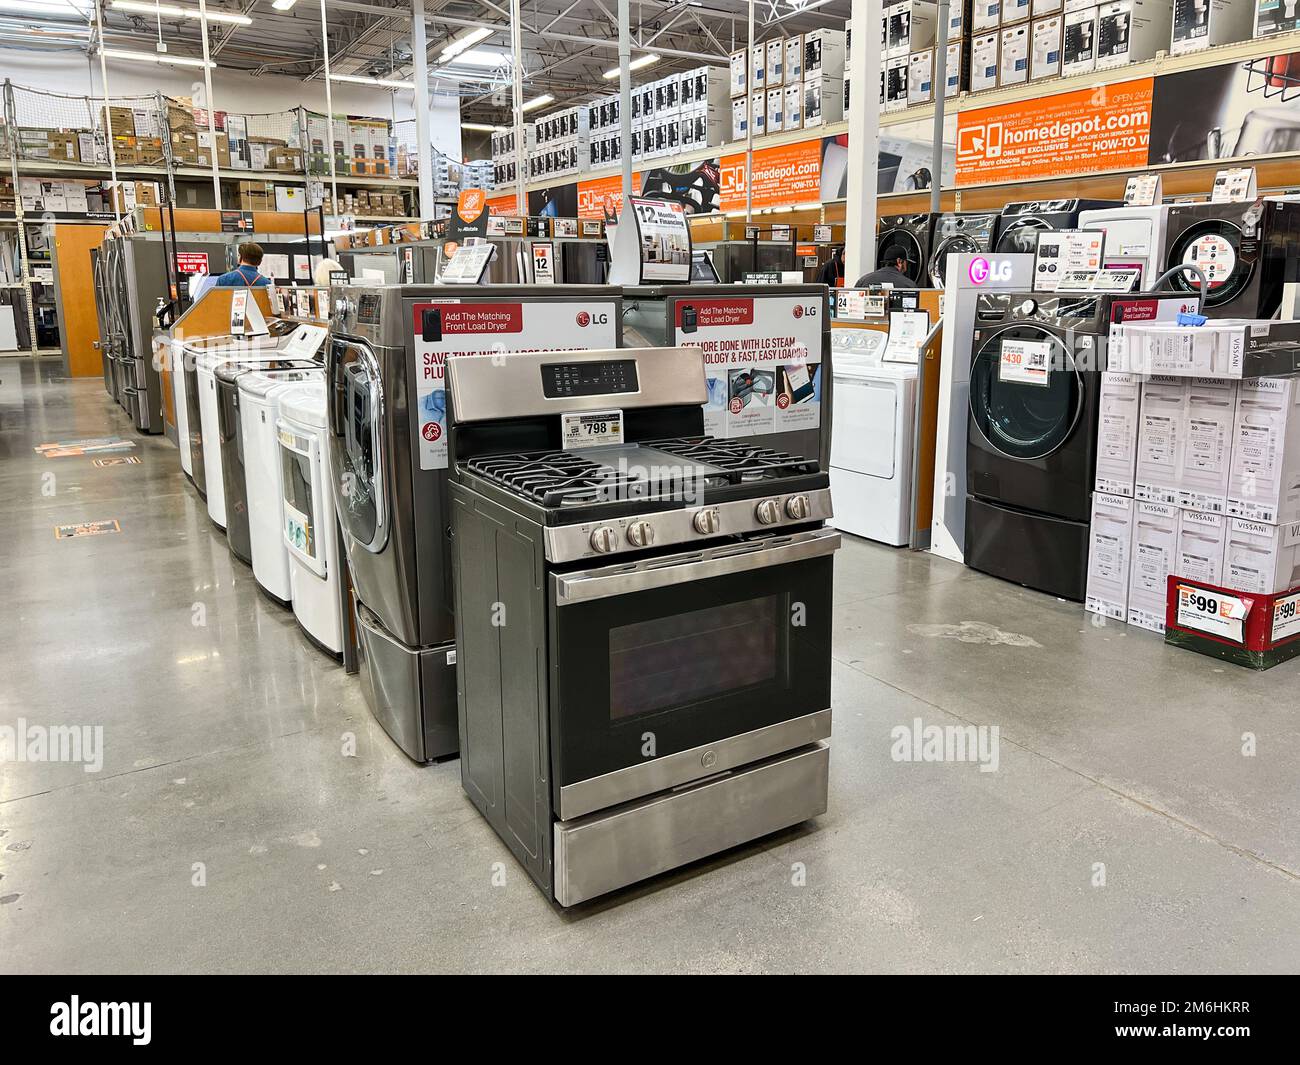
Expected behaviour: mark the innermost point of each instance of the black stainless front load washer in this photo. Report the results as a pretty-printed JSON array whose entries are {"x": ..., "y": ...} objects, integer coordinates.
[
  {"x": 1020, "y": 223},
  {"x": 912, "y": 233},
  {"x": 1243, "y": 249},
  {"x": 229, "y": 430},
  {"x": 955, "y": 233},
  {"x": 1031, "y": 437}
]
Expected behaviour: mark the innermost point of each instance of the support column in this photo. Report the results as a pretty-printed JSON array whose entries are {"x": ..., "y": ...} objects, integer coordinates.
[
  {"x": 864, "y": 141},
  {"x": 423, "y": 143},
  {"x": 521, "y": 149},
  {"x": 211, "y": 104},
  {"x": 625, "y": 93}
]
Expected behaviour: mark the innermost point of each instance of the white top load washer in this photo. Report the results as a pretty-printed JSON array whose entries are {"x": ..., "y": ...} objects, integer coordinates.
[
  {"x": 872, "y": 438},
  {"x": 1135, "y": 236},
  {"x": 242, "y": 349},
  {"x": 177, "y": 353},
  {"x": 308, "y": 521},
  {"x": 259, "y": 394}
]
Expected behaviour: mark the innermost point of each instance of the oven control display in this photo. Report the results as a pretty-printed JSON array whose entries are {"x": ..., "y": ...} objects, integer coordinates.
[{"x": 564, "y": 379}]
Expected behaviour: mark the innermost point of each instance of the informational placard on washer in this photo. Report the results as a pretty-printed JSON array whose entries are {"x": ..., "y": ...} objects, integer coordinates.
[
  {"x": 238, "y": 311},
  {"x": 591, "y": 429},
  {"x": 467, "y": 264},
  {"x": 543, "y": 262},
  {"x": 664, "y": 240},
  {"x": 821, "y": 234},
  {"x": 858, "y": 305},
  {"x": 1025, "y": 362},
  {"x": 469, "y": 327},
  {"x": 1234, "y": 184},
  {"x": 762, "y": 361},
  {"x": 1142, "y": 190},
  {"x": 1216, "y": 613},
  {"x": 1066, "y": 252}
]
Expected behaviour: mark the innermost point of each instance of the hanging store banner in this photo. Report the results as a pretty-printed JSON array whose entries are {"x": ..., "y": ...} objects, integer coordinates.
[
  {"x": 502, "y": 205},
  {"x": 784, "y": 176},
  {"x": 1087, "y": 131}
]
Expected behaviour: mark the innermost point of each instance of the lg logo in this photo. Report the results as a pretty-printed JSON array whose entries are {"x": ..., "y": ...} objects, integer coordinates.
[
  {"x": 801, "y": 311},
  {"x": 982, "y": 271},
  {"x": 585, "y": 319}
]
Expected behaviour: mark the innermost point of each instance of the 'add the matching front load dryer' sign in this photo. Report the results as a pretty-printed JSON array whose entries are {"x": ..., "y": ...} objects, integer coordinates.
[{"x": 467, "y": 327}]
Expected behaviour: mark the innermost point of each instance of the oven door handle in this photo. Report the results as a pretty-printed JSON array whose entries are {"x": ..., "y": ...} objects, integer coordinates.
[{"x": 698, "y": 565}]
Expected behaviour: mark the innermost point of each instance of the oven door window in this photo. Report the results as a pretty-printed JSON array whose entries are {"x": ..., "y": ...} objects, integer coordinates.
[{"x": 655, "y": 672}]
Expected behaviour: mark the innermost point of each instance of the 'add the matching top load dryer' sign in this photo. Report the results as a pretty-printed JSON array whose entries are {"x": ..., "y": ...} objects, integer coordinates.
[
  {"x": 468, "y": 327},
  {"x": 762, "y": 360}
]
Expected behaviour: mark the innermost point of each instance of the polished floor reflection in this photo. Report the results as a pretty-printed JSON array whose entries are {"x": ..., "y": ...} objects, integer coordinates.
[{"x": 249, "y": 815}]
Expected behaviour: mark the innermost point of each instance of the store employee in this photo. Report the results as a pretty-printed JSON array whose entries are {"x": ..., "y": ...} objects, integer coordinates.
[
  {"x": 892, "y": 273},
  {"x": 247, "y": 272}
]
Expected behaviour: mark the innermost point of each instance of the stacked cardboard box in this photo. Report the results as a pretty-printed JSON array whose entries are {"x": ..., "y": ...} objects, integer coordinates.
[{"x": 256, "y": 196}]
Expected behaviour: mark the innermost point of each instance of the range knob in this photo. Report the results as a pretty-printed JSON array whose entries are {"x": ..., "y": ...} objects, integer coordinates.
[
  {"x": 640, "y": 534},
  {"x": 768, "y": 512},
  {"x": 603, "y": 539},
  {"x": 707, "y": 522},
  {"x": 798, "y": 507}
]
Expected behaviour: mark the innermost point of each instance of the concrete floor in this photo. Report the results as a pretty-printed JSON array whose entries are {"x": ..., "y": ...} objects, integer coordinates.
[{"x": 223, "y": 746}]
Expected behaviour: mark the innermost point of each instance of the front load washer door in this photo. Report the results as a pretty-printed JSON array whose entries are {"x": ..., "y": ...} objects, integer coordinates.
[
  {"x": 906, "y": 239},
  {"x": 1021, "y": 235},
  {"x": 1218, "y": 248},
  {"x": 958, "y": 244},
  {"x": 1026, "y": 393}
]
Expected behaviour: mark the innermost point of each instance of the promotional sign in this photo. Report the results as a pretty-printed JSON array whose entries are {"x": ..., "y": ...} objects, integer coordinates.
[
  {"x": 192, "y": 262},
  {"x": 663, "y": 239},
  {"x": 1234, "y": 185},
  {"x": 1143, "y": 190},
  {"x": 1065, "y": 252},
  {"x": 762, "y": 360},
  {"x": 469, "y": 328},
  {"x": 601, "y": 195},
  {"x": 1080, "y": 132},
  {"x": 1218, "y": 614},
  {"x": 471, "y": 214},
  {"x": 543, "y": 262},
  {"x": 467, "y": 264},
  {"x": 1025, "y": 362},
  {"x": 502, "y": 204},
  {"x": 784, "y": 175}
]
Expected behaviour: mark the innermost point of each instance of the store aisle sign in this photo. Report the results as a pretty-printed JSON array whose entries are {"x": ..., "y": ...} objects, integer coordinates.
[
  {"x": 1106, "y": 127},
  {"x": 86, "y": 528},
  {"x": 784, "y": 175}
]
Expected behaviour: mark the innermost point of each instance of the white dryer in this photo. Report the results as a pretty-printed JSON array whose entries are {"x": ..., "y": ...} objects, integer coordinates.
[
  {"x": 259, "y": 392},
  {"x": 308, "y": 521},
  {"x": 1135, "y": 236},
  {"x": 872, "y": 438}
]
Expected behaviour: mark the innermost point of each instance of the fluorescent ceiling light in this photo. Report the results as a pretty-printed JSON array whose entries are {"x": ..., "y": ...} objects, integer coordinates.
[
  {"x": 172, "y": 11},
  {"x": 51, "y": 7},
  {"x": 537, "y": 101},
  {"x": 483, "y": 127},
  {"x": 155, "y": 57},
  {"x": 387, "y": 83},
  {"x": 283, "y": 5},
  {"x": 480, "y": 58},
  {"x": 636, "y": 64},
  {"x": 461, "y": 44},
  {"x": 799, "y": 8}
]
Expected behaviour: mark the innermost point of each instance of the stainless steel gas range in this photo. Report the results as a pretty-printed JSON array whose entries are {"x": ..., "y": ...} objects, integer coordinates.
[{"x": 644, "y": 617}]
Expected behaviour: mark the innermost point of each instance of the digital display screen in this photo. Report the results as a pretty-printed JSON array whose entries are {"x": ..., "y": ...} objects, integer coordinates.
[{"x": 563, "y": 379}]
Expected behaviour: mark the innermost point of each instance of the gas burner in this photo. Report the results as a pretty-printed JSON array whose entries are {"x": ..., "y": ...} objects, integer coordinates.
[{"x": 741, "y": 462}]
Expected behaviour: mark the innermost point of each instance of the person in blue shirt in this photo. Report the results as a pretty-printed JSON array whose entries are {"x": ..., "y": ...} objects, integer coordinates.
[{"x": 246, "y": 274}]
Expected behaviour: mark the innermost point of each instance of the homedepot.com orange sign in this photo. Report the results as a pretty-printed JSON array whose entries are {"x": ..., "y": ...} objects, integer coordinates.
[
  {"x": 783, "y": 176},
  {"x": 1081, "y": 132}
]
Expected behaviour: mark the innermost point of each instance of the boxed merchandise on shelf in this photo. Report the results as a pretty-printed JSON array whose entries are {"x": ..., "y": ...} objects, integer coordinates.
[
  {"x": 824, "y": 54},
  {"x": 739, "y": 73},
  {"x": 793, "y": 106},
  {"x": 1013, "y": 55},
  {"x": 1041, "y": 8},
  {"x": 1203, "y": 468},
  {"x": 774, "y": 62},
  {"x": 758, "y": 112},
  {"x": 986, "y": 15},
  {"x": 256, "y": 196},
  {"x": 794, "y": 59},
  {"x": 1014, "y": 11},
  {"x": 775, "y": 110},
  {"x": 920, "y": 77},
  {"x": 757, "y": 73},
  {"x": 1199, "y": 24},
  {"x": 984, "y": 61},
  {"x": 1132, "y": 30},
  {"x": 1045, "y": 48},
  {"x": 896, "y": 83},
  {"x": 823, "y": 100},
  {"x": 740, "y": 118},
  {"x": 909, "y": 26},
  {"x": 956, "y": 70},
  {"x": 1162, "y": 432},
  {"x": 1276, "y": 16},
  {"x": 1119, "y": 404},
  {"x": 64, "y": 145}
]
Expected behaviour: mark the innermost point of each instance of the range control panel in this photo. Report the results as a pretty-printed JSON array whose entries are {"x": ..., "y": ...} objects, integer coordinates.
[{"x": 608, "y": 378}]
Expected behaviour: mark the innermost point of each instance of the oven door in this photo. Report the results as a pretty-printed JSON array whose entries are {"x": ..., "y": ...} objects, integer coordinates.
[{"x": 676, "y": 668}]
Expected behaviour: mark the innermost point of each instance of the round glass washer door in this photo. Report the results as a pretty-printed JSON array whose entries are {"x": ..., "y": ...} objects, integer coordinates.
[
  {"x": 1021, "y": 236},
  {"x": 1215, "y": 246},
  {"x": 907, "y": 240},
  {"x": 1019, "y": 417},
  {"x": 954, "y": 245}
]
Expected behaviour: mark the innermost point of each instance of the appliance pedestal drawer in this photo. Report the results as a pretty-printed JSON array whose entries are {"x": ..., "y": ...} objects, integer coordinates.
[{"x": 614, "y": 848}]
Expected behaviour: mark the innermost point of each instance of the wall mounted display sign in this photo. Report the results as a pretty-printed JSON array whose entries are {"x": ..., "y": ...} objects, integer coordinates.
[
  {"x": 1234, "y": 185},
  {"x": 1142, "y": 190}
]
